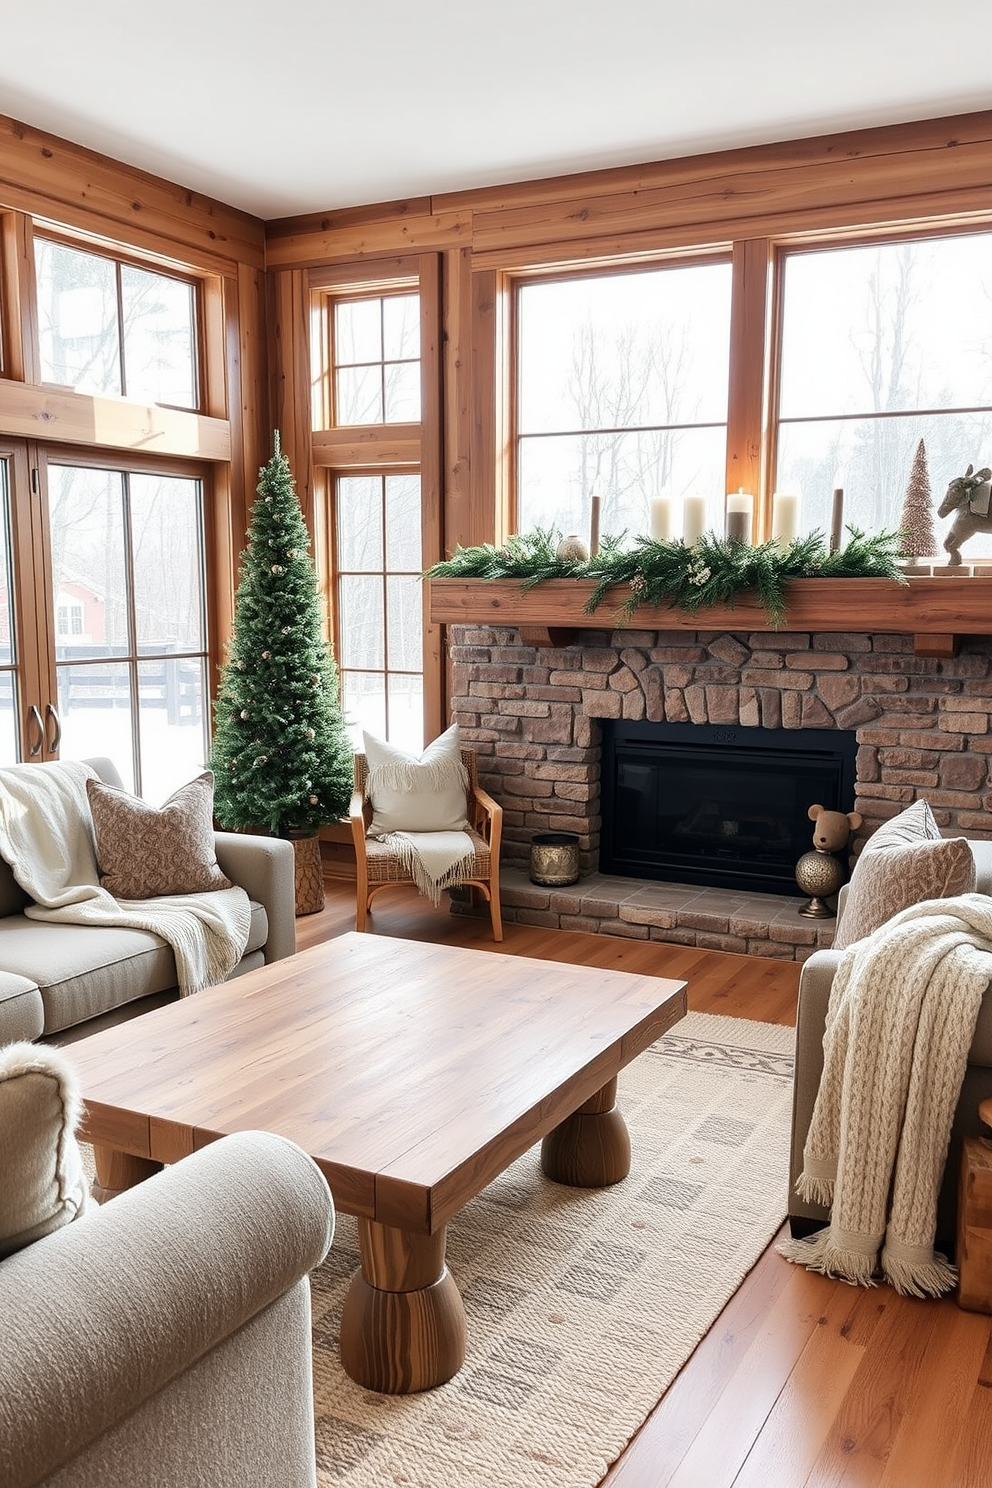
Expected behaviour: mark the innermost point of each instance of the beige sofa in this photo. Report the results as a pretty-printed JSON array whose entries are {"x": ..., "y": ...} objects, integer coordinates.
[
  {"x": 814, "y": 995},
  {"x": 61, "y": 982},
  {"x": 163, "y": 1340}
]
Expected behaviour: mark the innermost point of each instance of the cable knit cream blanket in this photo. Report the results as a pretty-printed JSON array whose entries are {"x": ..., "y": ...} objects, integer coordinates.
[
  {"x": 46, "y": 835},
  {"x": 900, "y": 1021}
]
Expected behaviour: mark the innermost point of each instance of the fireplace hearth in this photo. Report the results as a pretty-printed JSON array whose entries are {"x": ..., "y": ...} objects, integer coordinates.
[{"x": 719, "y": 805}]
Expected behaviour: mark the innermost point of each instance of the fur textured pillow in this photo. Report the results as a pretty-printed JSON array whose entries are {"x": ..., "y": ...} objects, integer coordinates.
[
  {"x": 143, "y": 852},
  {"x": 42, "y": 1182},
  {"x": 411, "y": 794},
  {"x": 905, "y": 862}
]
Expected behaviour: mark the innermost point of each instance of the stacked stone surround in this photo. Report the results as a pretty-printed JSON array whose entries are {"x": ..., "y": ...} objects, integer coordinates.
[{"x": 923, "y": 728}]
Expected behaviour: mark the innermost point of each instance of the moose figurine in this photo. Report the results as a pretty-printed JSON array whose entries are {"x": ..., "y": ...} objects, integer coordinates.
[{"x": 969, "y": 496}]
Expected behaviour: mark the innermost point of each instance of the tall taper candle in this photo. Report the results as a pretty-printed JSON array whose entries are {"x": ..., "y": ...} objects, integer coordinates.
[
  {"x": 837, "y": 519},
  {"x": 593, "y": 526}
]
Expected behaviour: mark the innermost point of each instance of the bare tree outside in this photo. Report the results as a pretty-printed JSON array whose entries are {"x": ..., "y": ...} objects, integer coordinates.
[
  {"x": 623, "y": 394},
  {"x": 884, "y": 346}
]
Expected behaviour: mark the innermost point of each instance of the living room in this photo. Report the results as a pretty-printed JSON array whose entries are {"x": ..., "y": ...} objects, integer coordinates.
[{"x": 127, "y": 479}]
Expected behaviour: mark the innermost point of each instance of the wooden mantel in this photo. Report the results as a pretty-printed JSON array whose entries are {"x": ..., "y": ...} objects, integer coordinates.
[{"x": 936, "y": 610}]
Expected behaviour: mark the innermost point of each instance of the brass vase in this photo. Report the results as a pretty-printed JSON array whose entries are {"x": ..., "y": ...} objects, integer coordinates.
[
  {"x": 554, "y": 859},
  {"x": 820, "y": 875}
]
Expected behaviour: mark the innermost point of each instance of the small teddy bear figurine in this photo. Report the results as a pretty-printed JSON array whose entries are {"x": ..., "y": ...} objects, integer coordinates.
[
  {"x": 832, "y": 829},
  {"x": 819, "y": 873}
]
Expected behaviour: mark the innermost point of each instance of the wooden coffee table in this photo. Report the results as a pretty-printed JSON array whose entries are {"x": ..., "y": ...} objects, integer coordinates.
[{"x": 413, "y": 1074}]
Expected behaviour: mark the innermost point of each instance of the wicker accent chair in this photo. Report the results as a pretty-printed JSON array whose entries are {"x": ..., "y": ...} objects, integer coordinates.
[{"x": 379, "y": 867}]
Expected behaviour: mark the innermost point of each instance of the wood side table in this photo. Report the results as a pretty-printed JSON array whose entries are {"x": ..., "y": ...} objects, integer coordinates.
[{"x": 974, "y": 1247}]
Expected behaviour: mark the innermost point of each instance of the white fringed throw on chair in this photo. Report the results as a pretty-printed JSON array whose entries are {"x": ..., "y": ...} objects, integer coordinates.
[{"x": 900, "y": 1022}]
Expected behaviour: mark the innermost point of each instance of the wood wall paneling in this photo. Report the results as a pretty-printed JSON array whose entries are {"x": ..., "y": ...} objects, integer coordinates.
[
  {"x": 289, "y": 382},
  {"x": 431, "y": 475},
  {"x": 457, "y": 392},
  {"x": 368, "y": 447},
  {"x": 487, "y": 514},
  {"x": 68, "y": 185},
  {"x": 373, "y": 238},
  {"x": 66, "y": 417},
  {"x": 745, "y": 413},
  {"x": 17, "y": 297}
]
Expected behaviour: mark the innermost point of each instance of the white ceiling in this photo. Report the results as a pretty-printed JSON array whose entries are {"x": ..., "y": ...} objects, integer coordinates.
[{"x": 289, "y": 106}]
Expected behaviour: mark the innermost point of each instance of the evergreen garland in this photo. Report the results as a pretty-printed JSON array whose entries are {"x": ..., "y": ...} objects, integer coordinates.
[
  {"x": 281, "y": 756},
  {"x": 710, "y": 572}
]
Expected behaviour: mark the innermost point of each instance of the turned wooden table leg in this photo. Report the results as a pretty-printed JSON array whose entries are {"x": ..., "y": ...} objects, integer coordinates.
[
  {"x": 116, "y": 1171},
  {"x": 403, "y": 1324},
  {"x": 591, "y": 1148}
]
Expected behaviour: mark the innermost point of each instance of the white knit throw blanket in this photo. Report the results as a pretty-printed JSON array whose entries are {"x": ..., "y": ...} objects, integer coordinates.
[
  {"x": 436, "y": 860},
  {"x": 900, "y": 1021},
  {"x": 46, "y": 835}
]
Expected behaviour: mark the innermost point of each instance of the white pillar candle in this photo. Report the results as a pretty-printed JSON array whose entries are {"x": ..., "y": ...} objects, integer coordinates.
[
  {"x": 693, "y": 519},
  {"x": 740, "y": 510},
  {"x": 785, "y": 518},
  {"x": 662, "y": 517}
]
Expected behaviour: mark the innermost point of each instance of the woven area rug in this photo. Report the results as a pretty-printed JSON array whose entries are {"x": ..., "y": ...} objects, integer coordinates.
[{"x": 582, "y": 1305}]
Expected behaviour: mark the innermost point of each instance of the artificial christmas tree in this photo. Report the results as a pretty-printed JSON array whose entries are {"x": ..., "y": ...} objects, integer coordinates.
[
  {"x": 916, "y": 523},
  {"x": 281, "y": 756}
]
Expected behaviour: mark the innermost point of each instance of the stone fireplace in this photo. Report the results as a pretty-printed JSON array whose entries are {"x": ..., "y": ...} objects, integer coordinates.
[{"x": 534, "y": 713}]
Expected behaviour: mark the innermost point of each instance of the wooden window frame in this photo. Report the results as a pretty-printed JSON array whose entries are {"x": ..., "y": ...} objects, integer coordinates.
[
  {"x": 742, "y": 464},
  {"x": 383, "y": 449}
]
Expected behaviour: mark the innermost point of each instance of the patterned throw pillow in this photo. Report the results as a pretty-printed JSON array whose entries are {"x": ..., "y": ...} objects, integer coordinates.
[
  {"x": 143, "y": 852},
  {"x": 905, "y": 862},
  {"x": 42, "y": 1182},
  {"x": 411, "y": 794}
]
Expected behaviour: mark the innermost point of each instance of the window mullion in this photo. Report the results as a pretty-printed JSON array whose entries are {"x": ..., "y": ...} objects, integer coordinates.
[{"x": 746, "y": 403}]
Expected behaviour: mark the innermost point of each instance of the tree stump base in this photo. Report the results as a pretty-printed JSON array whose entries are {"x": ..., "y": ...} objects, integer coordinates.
[{"x": 309, "y": 875}]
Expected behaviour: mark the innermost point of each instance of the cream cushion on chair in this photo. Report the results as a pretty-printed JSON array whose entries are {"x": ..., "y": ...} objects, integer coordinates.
[
  {"x": 42, "y": 1182},
  {"x": 904, "y": 863},
  {"x": 411, "y": 793}
]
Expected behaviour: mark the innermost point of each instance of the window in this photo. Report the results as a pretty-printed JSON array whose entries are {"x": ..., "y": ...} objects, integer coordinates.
[
  {"x": 380, "y": 627},
  {"x": 622, "y": 393},
  {"x": 112, "y": 328},
  {"x": 883, "y": 345},
  {"x": 69, "y": 619},
  {"x": 127, "y": 562},
  {"x": 377, "y": 360},
  {"x": 376, "y": 450}
]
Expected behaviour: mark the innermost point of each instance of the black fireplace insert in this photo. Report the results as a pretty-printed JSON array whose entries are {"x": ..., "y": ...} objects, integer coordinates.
[{"x": 719, "y": 805}]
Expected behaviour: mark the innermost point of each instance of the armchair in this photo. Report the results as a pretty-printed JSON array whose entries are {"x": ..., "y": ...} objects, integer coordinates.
[
  {"x": 163, "y": 1340},
  {"x": 815, "y": 982},
  {"x": 379, "y": 866}
]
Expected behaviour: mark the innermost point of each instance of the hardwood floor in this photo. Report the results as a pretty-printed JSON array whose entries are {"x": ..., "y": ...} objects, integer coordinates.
[{"x": 801, "y": 1382}]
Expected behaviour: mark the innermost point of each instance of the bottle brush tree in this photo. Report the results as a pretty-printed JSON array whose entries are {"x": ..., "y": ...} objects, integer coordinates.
[
  {"x": 281, "y": 756},
  {"x": 916, "y": 524}
]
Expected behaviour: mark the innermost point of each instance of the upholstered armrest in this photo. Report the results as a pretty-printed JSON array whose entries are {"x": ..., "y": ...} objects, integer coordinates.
[
  {"x": 265, "y": 867},
  {"x": 815, "y": 982},
  {"x": 22, "y": 1012},
  {"x": 101, "y": 1315}
]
